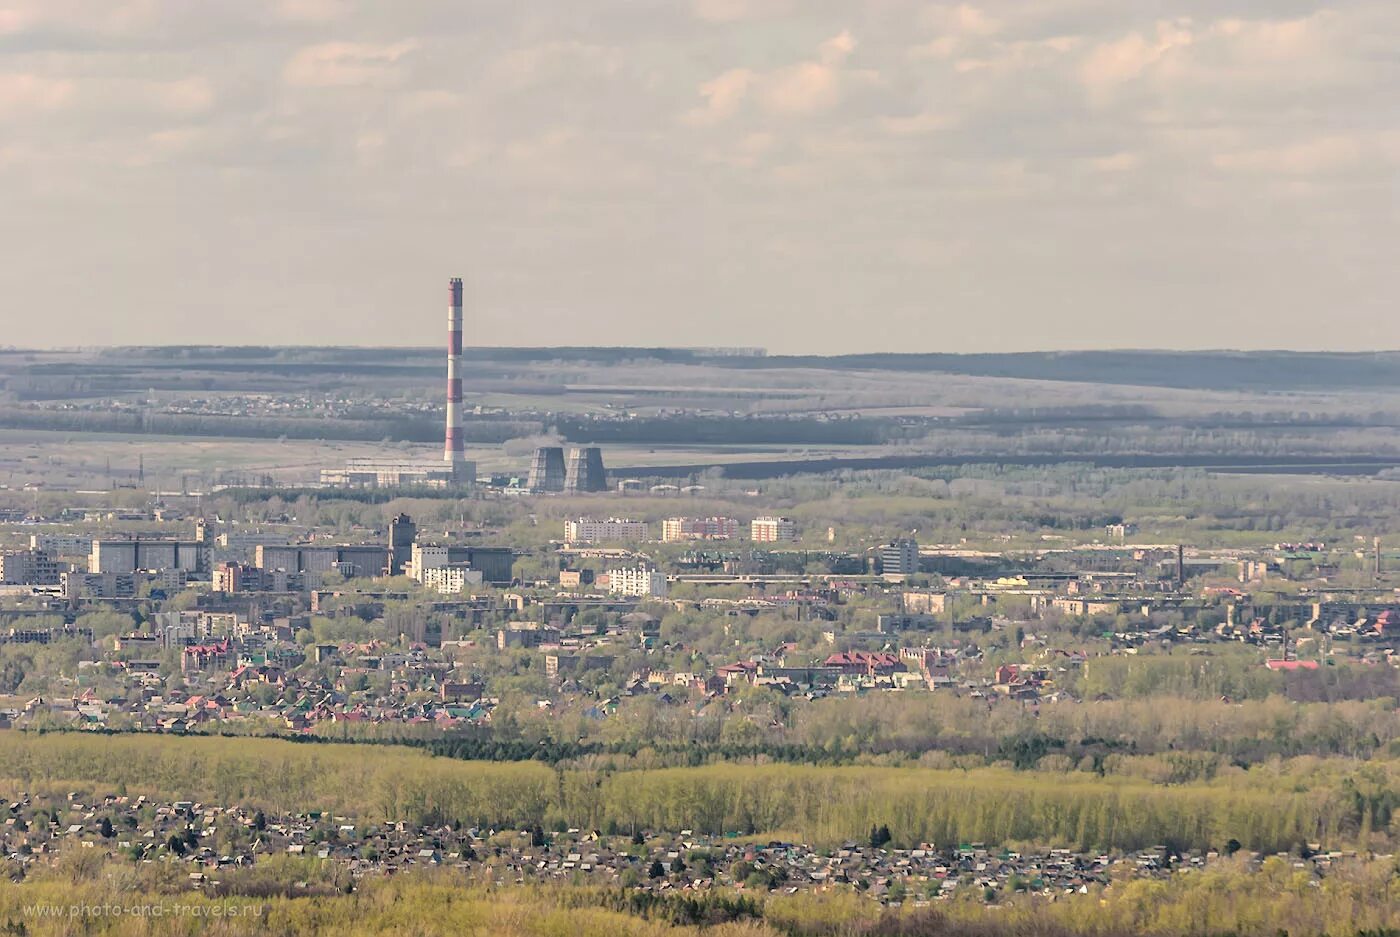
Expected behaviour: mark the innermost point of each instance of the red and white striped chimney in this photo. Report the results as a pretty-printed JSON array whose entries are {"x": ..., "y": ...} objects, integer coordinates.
[{"x": 453, "y": 449}]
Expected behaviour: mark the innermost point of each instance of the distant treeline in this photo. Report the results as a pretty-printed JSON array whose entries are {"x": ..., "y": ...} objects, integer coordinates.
[
  {"x": 1185, "y": 369},
  {"x": 256, "y": 427},
  {"x": 1137, "y": 414},
  {"x": 719, "y": 430},
  {"x": 1341, "y": 464}
]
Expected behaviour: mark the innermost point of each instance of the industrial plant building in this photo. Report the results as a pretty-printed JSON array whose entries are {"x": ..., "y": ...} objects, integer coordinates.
[
  {"x": 396, "y": 473},
  {"x": 547, "y": 471},
  {"x": 362, "y": 560},
  {"x": 579, "y": 472},
  {"x": 454, "y": 471},
  {"x": 584, "y": 471},
  {"x": 121, "y": 557}
]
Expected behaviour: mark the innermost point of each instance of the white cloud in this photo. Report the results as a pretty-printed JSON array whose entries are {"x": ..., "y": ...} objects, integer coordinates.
[
  {"x": 733, "y": 11},
  {"x": 837, "y": 49},
  {"x": 1121, "y": 60},
  {"x": 803, "y": 88},
  {"x": 191, "y": 95},
  {"x": 916, "y": 124},
  {"x": 723, "y": 94},
  {"x": 556, "y": 61},
  {"x": 25, "y": 92},
  {"x": 310, "y": 11},
  {"x": 961, "y": 20},
  {"x": 1117, "y": 162},
  {"x": 1321, "y": 156},
  {"x": 347, "y": 64}
]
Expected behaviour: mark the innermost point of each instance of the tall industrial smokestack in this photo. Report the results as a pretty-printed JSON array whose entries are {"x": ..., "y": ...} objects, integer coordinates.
[{"x": 454, "y": 452}]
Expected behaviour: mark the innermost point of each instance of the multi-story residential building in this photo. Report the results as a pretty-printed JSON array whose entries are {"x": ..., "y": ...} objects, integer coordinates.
[
  {"x": 772, "y": 529},
  {"x": 243, "y": 543},
  {"x": 900, "y": 558},
  {"x": 138, "y": 644},
  {"x": 495, "y": 564},
  {"x": 46, "y": 635},
  {"x": 637, "y": 581},
  {"x": 61, "y": 544},
  {"x": 676, "y": 529},
  {"x": 402, "y": 535},
  {"x": 556, "y": 665},
  {"x": 98, "y": 585},
  {"x": 923, "y": 603},
  {"x": 29, "y": 568},
  {"x": 239, "y": 577},
  {"x": 451, "y": 580},
  {"x": 525, "y": 634},
  {"x": 575, "y": 578},
  {"x": 591, "y": 530}
]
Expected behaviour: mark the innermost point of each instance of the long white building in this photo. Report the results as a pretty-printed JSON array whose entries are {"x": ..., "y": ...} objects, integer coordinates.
[
  {"x": 677, "y": 529},
  {"x": 592, "y": 530}
]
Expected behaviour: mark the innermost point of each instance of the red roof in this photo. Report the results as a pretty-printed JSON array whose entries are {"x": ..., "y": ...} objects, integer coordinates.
[{"x": 1291, "y": 664}]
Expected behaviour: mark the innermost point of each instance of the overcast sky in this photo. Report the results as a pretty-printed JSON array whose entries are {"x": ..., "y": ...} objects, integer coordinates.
[{"x": 804, "y": 175}]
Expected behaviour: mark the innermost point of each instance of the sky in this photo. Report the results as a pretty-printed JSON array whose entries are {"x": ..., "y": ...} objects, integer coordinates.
[{"x": 808, "y": 176}]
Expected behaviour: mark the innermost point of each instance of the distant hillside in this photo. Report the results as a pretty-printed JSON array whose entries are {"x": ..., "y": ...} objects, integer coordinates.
[{"x": 1223, "y": 370}]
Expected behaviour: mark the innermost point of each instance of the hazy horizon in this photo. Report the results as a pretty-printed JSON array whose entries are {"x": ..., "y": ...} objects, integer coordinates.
[
  {"x": 768, "y": 352},
  {"x": 810, "y": 178}
]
